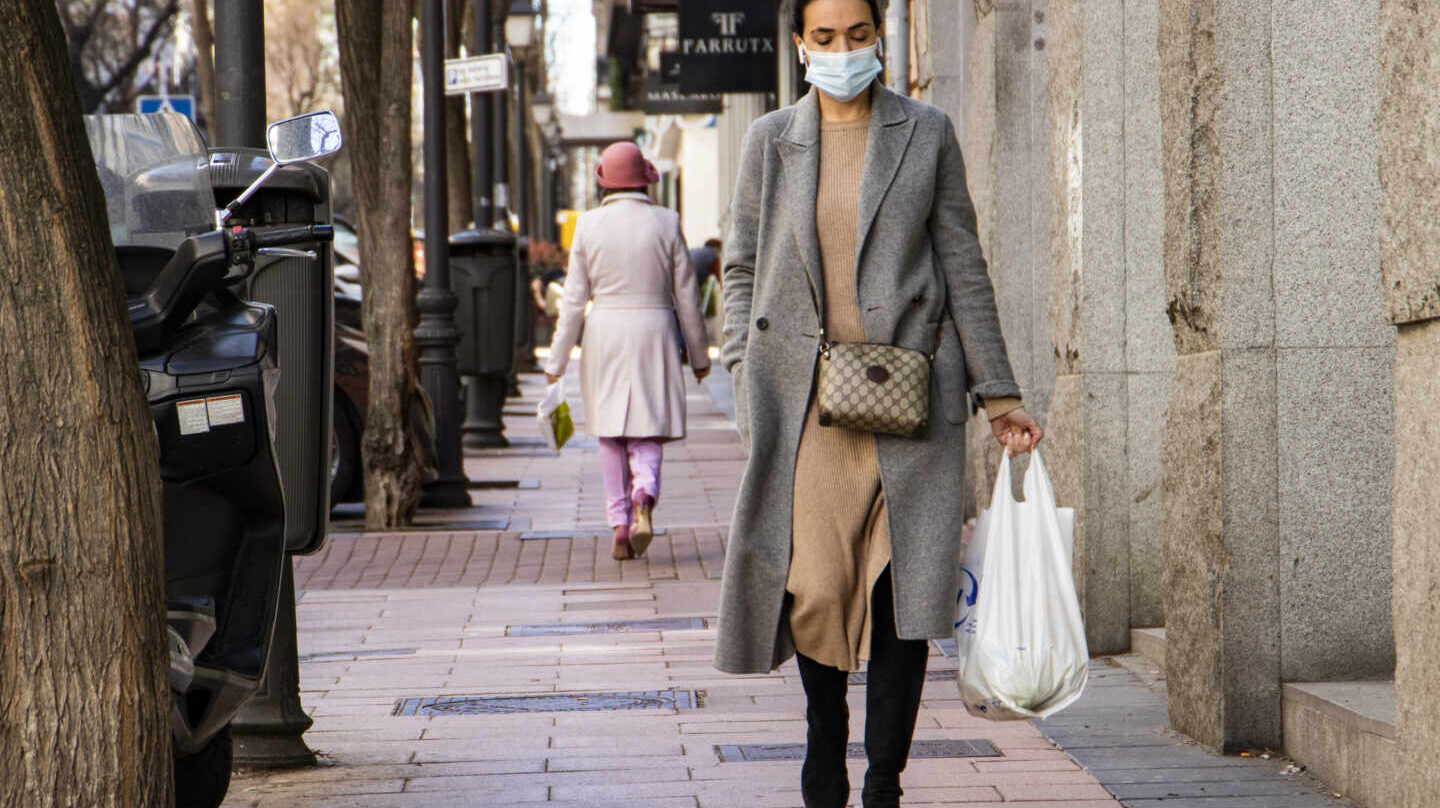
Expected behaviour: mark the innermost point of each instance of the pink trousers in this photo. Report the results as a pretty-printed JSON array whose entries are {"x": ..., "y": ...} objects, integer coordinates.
[{"x": 631, "y": 467}]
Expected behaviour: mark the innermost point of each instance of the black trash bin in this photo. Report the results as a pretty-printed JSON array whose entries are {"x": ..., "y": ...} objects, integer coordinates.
[
  {"x": 299, "y": 283},
  {"x": 484, "y": 273}
]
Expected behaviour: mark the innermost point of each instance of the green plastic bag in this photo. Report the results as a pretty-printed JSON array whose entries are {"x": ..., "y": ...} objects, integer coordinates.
[
  {"x": 709, "y": 299},
  {"x": 556, "y": 425}
]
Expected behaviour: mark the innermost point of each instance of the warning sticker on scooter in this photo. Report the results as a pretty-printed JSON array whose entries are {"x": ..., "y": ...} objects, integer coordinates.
[
  {"x": 225, "y": 410},
  {"x": 193, "y": 418}
]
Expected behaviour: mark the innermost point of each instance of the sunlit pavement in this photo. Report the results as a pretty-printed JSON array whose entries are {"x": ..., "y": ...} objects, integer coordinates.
[{"x": 468, "y": 610}]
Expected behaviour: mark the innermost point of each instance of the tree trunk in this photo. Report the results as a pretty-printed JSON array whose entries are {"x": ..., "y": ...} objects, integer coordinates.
[
  {"x": 204, "y": 58},
  {"x": 457, "y": 145},
  {"x": 84, "y": 692},
  {"x": 375, "y": 68}
]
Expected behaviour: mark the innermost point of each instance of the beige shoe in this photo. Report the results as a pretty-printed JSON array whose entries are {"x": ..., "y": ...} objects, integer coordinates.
[
  {"x": 643, "y": 531},
  {"x": 622, "y": 549}
]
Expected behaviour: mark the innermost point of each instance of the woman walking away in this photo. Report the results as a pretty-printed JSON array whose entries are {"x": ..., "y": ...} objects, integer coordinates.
[
  {"x": 852, "y": 224},
  {"x": 629, "y": 262}
]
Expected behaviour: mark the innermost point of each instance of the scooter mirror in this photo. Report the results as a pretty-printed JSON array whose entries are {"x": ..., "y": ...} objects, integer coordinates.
[
  {"x": 293, "y": 140},
  {"x": 305, "y": 137}
]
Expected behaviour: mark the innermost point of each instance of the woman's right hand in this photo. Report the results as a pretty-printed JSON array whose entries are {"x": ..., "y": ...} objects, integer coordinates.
[{"x": 551, "y": 378}]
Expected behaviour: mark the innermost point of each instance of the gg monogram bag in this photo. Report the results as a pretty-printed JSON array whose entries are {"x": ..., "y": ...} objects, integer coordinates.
[{"x": 874, "y": 388}]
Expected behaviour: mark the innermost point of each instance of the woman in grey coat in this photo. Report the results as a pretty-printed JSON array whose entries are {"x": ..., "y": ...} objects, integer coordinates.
[{"x": 851, "y": 217}]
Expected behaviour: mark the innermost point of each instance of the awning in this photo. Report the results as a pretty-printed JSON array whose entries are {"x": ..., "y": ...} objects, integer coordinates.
[{"x": 600, "y": 129}]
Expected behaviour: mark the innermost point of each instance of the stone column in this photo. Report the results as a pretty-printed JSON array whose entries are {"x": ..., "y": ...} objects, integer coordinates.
[
  {"x": 1089, "y": 418},
  {"x": 1002, "y": 84},
  {"x": 1280, "y": 430},
  {"x": 1410, "y": 257}
]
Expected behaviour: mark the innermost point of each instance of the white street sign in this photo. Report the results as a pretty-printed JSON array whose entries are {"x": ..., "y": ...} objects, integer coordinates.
[{"x": 478, "y": 74}]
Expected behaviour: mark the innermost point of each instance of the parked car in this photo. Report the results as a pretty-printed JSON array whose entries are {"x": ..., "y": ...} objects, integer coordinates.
[{"x": 352, "y": 379}]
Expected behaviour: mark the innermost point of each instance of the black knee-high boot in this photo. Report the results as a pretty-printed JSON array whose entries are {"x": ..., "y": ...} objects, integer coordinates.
[
  {"x": 895, "y": 683},
  {"x": 824, "y": 782}
]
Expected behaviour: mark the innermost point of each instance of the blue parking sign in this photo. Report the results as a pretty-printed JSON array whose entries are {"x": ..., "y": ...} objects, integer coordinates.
[{"x": 183, "y": 104}]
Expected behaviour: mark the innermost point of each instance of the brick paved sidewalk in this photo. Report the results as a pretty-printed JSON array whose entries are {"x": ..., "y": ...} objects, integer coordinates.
[{"x": 518, "y": 600}]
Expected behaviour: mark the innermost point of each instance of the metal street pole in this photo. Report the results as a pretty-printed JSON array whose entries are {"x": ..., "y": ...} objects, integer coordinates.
[
  {"x": 240, "y": 73},
  {"x": 269, "y": 730},
  {"x": 480, "y": 123},
  {"x": 522, "y": 159},
  {"x": 436, "y": 334},
  {"x": 524, "y": 206},
  {"x": 501, "y": 141}
]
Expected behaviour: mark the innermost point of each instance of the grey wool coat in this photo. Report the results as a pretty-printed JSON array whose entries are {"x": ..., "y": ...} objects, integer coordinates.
[{"x": 919, "y": 269}]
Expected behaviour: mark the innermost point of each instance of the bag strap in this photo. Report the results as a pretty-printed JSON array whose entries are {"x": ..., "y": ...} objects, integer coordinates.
[{"x": 826, "y": 344}]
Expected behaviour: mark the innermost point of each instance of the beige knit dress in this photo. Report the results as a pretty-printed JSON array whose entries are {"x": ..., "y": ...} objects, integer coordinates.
[{"x": 841, "y": 538}]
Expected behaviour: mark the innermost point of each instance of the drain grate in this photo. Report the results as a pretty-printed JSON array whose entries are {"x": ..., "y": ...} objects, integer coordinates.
[
  {"x": 553, "y": 703},
  {"x": 750, "y": 753},
  {"x": 946, "y": 675},
  {"x": 607, "y": 627},
  {"x": 488, "y": 485},
  {"x": 350, "y": 656}
]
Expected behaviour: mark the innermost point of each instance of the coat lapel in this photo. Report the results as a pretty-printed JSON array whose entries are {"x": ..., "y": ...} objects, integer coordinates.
[
  {"x": 799, "y": 148},
  {"x": 890, "y": 131}
]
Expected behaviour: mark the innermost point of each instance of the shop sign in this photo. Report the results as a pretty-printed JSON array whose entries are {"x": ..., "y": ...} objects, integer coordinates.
[
  {"x": 666, "y": 98},
  {"x": 728, "y": 46}
]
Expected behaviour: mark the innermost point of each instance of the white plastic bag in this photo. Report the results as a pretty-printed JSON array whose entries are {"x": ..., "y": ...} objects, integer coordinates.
[
  {"x": 556, "y": 425},
  {"x": 1020, "y": 636}
]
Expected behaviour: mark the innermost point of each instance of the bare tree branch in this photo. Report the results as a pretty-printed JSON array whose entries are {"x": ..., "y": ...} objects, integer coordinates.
[{"x": 127, "y": 69}]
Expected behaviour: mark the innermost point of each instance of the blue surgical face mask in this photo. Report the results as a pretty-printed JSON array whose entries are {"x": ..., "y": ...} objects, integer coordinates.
[{"x": 842, "y": 76}]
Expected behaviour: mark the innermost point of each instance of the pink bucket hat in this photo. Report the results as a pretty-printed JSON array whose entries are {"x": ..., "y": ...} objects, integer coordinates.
[{"x": 623, "y": 166}]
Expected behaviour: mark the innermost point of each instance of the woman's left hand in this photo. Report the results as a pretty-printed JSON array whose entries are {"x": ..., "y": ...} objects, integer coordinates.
[
  {"x": 1017, "y": 431},
  {"x": 551, "y": 379}
]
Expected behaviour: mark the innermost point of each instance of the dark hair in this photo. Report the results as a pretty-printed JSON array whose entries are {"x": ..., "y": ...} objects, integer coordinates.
[
  {"x": 795, "y": 12},
  {"x": 713, "y": 243}
]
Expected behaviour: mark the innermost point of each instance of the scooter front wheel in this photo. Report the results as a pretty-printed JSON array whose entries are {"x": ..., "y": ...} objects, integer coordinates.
[{"x": 202, "y": 779}]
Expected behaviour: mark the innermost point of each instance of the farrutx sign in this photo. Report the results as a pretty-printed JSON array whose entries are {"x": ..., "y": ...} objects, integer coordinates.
[{"x": 728, "y": 46}]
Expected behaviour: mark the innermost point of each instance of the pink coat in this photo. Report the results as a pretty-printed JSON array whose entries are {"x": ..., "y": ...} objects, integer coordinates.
[{"x": 629, "y": 263}]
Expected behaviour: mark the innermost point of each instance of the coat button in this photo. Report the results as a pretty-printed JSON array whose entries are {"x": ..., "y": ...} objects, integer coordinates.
[
  {"x": 920, "y": 298},
  {"x": 762, "y": 323}
]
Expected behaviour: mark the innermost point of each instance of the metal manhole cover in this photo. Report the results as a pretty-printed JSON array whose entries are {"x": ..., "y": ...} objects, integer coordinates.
[
  {"x": 749, "y": 753},
  {"x": 350, "y": 656},
  {"x": 946, "y": 675},
  {"x": 606, "y": 627},
  {"x": 552, "y": 703}
]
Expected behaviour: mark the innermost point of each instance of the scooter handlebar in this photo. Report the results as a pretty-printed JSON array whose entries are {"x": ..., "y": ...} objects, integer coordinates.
[{"x": 282, "y": 236}]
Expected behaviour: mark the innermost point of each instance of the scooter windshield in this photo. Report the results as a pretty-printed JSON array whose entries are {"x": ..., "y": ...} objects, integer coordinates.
[{"x": 153, "y": 170}]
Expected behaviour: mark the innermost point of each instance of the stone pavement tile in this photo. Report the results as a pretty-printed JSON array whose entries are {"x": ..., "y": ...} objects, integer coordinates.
[
  {"x": 1111, "y": 732},
  {"x": 310, "y": 790},
  {"x": 629, "y": 781},
  {"x": 1049, "y": 764},
  {"x": 1206, "y": 774},
  {"x": 658, "y": 802},
  {"x": 1031, "y": 792},
  {"x": 1229, "y": 788},
  {"x": 1039, "y": 804},
  {"x": 456, "y": 798},
  {"x": 1277, "y": 801}
]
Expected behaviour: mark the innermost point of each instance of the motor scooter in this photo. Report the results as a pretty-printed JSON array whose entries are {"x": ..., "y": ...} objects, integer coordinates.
[{"x": 208, "y": 361}]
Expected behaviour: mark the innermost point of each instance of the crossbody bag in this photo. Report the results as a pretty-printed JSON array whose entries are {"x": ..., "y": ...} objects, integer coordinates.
[{"x": 873, "y": 387}]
